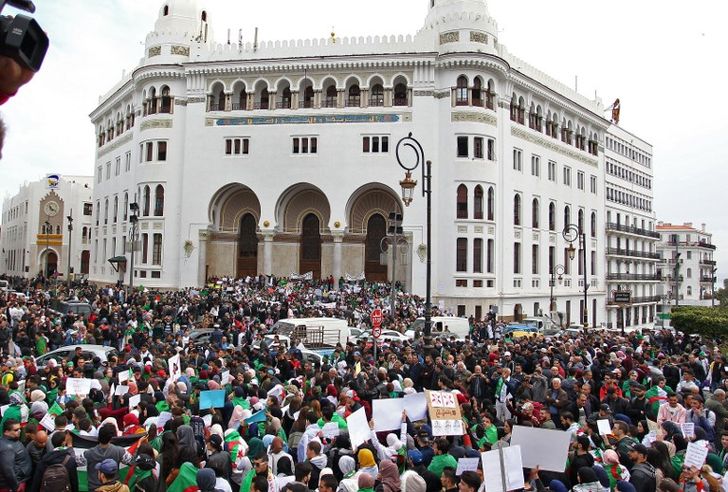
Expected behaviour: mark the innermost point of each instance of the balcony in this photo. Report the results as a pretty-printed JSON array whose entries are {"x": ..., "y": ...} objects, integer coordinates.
[
  {"x": 329, "y": 102},
  {"x": 636, "y": 300},
  {"x": 697, "y": 244},
  {"x": 633, "y": 254},
  {"x": 611, "y": 226},
  {"x": 634, "y": 276},
  {"x": 710, "y": 263},
  {"x": 305, "y": 104},
  {"x": 706, "y": 279},
  {"x": 217, "y": 107}
]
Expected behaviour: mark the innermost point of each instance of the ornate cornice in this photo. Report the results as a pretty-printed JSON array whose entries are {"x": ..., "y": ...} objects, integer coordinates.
[
  {"x": 474, "y": 117},
  {"x": 552, "y": 144}
]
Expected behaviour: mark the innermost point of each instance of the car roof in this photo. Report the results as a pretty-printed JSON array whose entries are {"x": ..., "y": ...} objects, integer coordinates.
[{"x": 86, "y": 347}]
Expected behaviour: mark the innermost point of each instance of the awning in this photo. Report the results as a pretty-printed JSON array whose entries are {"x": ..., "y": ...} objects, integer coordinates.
[{"x": 117, "y": 259}]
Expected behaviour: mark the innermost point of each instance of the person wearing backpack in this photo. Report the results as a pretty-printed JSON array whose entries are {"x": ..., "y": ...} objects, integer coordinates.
[{"x": 56, "y": 471}]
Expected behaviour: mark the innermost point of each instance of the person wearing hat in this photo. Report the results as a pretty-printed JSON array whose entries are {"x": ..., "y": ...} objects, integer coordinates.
[
  {"x": 107, "y": 473},
  {"x": 642, "y": 475}
]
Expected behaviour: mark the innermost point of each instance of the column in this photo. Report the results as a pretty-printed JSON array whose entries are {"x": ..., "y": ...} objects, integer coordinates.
[
  {"x": 250, "y": 101},
  {"x": 338, "y": 241},
  {"x": 317, "y": 99},
  {"x": 202, "y": 257},
  {"x": 294, "y": 99},
  {"x": 267, "y": 252}
]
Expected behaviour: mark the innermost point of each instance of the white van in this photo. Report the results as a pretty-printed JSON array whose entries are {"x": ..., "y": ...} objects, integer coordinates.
[
  {"x": 442, "y": 327},
  {"x": 314, "y": 332}
]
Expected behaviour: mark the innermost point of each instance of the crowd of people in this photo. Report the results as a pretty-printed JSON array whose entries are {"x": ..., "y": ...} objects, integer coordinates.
[{"x": 140, "y": 424}]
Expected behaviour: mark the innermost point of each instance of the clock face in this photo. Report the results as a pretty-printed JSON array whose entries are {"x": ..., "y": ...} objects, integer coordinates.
[{"x": 51, "y": 208}]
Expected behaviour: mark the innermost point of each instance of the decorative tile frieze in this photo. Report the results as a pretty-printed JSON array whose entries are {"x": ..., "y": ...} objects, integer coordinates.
[
  {"x": 474, "y": 117},
  {"x": 450, "y": 37}
]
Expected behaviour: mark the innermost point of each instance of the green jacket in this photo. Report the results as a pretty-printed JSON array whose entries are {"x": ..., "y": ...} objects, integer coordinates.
[{"x": 440, "y": 461}]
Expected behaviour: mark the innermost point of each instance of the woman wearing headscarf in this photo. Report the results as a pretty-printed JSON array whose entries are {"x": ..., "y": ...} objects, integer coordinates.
[
  {"x": 237, "y": 417},
  {"x": 588, "y": 481},
  {"x": 366, "y": 463},
  {"x": 388, "y": 477},
  {"x": 168, "y": 459},
  {"x": 615, "y": 470},
  {"x": 187, "y": 446},
  {"x": 349, "y": 482}
]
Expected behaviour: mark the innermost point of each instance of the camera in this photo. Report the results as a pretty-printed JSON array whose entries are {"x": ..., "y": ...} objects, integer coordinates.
[{"x": 21, "y": 37}]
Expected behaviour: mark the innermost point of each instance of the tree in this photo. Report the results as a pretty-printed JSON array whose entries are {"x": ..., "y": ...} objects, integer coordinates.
[{"x": 706, "y": 321}]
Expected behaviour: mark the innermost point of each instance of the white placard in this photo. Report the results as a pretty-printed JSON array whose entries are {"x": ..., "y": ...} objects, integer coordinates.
[
  {"x": 225, "y": 378},
  {"x": 78, "y": 386},
  {"x": 359, "y": 432},
  {"x": 387, "y": 414},
  {"x": 175, "y": 367},
  {"x": 603, "y": 426},
  {"x": 48, "y": 422},
  {"x": 467, "y": 464},
  {"x": 416, "y": 406},
  {"x": 331, "y": 430},
  {"x": 207, "y": 419},
  {"x": 688, "y": 429},
  {"x": 513, "y": 465},
  {"x": 696, "y": 454},
  {"x": 123, "y": 376},
  {"x": 164, "y": 417},
  {"x": 545, "y": 448},
  {"x": 121, "y": 390},
  {"x": 21, "y": 387},
  {"x": 134, "y": 400},
  {"x": 447, "y": 428}
]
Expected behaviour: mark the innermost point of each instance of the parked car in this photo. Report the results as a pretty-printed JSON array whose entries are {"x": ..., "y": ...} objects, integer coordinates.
[
  {"x": 386, "y": 336},
  {"x": 66, "y": 353},
  {"x": 200, "y": 336}
]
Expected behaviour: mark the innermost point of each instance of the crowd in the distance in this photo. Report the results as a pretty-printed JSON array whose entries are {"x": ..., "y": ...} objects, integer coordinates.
[{"x": 269, "y": 435}]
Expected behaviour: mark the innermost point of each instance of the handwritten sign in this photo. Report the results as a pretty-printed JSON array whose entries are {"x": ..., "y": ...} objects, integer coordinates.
[
  {"x": 134, "y": 401},
  {"x": 331, "y": 430},
  {"x": 444, "y": 413},
  {"x": 696, "y": 454},
  {"x": 467, "y": 464},
  {"x": 688, "y": 429},
  {"x": 603, "y": 426},
  {"x": 78, "y": 386},
  {"x": 48, "y": 422}
]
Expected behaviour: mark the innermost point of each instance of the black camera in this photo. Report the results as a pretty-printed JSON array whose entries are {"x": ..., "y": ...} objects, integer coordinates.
[{"x": 21, "y": 37}]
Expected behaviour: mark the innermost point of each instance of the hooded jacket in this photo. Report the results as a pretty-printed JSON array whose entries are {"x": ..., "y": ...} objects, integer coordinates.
[{"x": 56, "y": 457}]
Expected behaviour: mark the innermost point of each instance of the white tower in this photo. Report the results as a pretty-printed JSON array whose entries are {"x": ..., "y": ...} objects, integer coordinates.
[{"x": 457, "y": 26}]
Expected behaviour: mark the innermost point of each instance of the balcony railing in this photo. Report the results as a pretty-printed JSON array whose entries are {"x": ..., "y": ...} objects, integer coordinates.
[
  {"x": 240, "y": 106},
  {"x": 305, "y": 104},
  {"x": 706, "y": 279},
  {"x": 638, "y": 300},
  {"x": 707, "y": 262},
  {"x": 611, "y": 226},
  {"x": 376, "y": 101},
  {"x": 699, "y": 244},
  {"x": 400, "y": 101},
  {"x": 632, "y": 253},
  {"x": 633, "y": 276},
  {"x": 283, "y": 104},
  {"x": 217, "y": 107},
  {"x": 353, "y": 102},
  {"x": 328, "y": 103}
]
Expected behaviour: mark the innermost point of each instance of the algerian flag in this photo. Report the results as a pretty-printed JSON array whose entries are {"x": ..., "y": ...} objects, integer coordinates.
[
  {"x": 186, "y": 480},
  {"x": 83, "y": 443},
  {"x": 55, "y": 409}
]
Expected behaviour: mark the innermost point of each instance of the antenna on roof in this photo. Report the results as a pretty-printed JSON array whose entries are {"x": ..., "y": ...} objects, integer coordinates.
[
  {"x": 228, "y": 36},
  {"x": 240, "y": 40},
  {"x": 255, "y": 41}
]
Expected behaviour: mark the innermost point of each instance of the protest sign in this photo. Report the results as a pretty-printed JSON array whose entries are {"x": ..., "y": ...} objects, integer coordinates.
[
  {"x": 207, "y": 419},
  {"x": 121, "y": 390},
  {"x": 78, "y": 386},
  {"x": 256, "y": 417},
  {"x": 444, "y": 413},
  {"x": 387, "y": 414},
  {"x": 123, "y": 376},
  {"x": 212, "y": 399},
  {"x": 688, "y": 430},
  {"x": 604, "y": 428},
  {"x": 225, "y": 378},
  {"x": 48, "y": 422},
  {"x": 512, "y": 467},
  {"x": 134, "y": 400},
  {"x": 545, "y": 448},
  {"x": 467, "y": 464},
  {"x": 696, "y": 454},
  {"x": 175, "y": 368},
  {"x": 331, "y": 430},
  {"x": 416, "y": 406},
  {"x": 163, "y": 418},
  {"x": 359, "y": 431}
]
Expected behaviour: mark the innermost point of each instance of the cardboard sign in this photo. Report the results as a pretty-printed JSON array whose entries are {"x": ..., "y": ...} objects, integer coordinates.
[
  {"x": 416, "y": 406},
  {"x": 444, "y": 413},
  {"x": 175, "y": 368},
  {"x": 545, "y": 448},
  {"x": 48, "y": 422},
  {"x": 359, "y": 431},
  {"x": 78, "y": 386},
  {"x": 512, "y": 465},
  {"x": 603, "y": 426},
  {"x": 467, "y": 464}
]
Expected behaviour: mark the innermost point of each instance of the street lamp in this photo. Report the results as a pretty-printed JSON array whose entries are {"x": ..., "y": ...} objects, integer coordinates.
[
  {"x": 396, "y": 239},
  {"x": 572, "y": 234},
  {"x": 408, "y": 186},
  {"x": 70, "y": 236},
  {"x": 713, "y": 278},
  {"x": 557, "y": 270},
  {"x": 134, "y": 219}
]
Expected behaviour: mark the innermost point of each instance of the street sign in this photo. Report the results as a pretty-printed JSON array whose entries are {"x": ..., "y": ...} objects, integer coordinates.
[
  {"x": 622, "y": 297},
  {"x": 376, "y": 318},
  {"x": 376, "y": 332}
]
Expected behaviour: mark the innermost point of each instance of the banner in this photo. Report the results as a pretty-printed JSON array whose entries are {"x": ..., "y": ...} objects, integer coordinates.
[
  {"x": 354, "y": 278},
  {"x": 545, "y": 448},
  {"x": 444, "y": 413},
  {"x": 305, "y": 276}
]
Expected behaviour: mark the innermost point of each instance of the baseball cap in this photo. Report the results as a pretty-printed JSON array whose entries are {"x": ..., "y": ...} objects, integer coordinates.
[{"x": 108, "y": 467}]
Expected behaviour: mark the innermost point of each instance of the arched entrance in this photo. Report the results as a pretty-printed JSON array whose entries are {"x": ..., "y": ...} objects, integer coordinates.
[
  {"x": 248, "y": 246},
  {"x": 85, "y": 260},
  {"x": 518, "y": 313},
  {"x": 310, "y": 258},
  {"x": 373, "y": 268},
  {"x": 50, "y": 263}
]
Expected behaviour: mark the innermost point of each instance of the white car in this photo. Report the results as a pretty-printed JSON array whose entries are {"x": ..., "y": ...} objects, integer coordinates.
[
  {"x": 354, "y": 334},
  {"x": 386, "y": 336},
  {"x": 88, "y": 352}
]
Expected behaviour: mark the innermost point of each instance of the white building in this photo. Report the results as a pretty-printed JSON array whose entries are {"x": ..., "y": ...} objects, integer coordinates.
[
  {"x": 686, "y": 264},
  {"x": 631, "y": 255},
  {"x": 35, "y": 236},
  {"x": 280, "y": 158}
]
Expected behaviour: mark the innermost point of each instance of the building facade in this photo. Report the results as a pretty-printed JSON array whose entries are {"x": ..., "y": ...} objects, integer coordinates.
[
  {"x": 686, "y": 265},
  {"x": 631, "y": 255},
  {"x": 280, "y": 158},
  {"x": 35, "y": 236}
]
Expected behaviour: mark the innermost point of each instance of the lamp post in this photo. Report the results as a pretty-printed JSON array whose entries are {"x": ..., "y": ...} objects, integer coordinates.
[
  {"x": 713, "y": 278},
  {"x": 408, "y": 187},
  {"x": 395, "y": 239},
  {"x": 134, "y": 219},
  {"x": 572, "y": 234},
  {"x": 557, "y": 270},
  {"x": 48, "y": 246},
  {"x": 70, "y": 236}
]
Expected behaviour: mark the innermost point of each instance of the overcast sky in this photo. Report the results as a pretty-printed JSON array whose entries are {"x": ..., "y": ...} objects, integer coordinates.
[{"x": 665, "y": 60}]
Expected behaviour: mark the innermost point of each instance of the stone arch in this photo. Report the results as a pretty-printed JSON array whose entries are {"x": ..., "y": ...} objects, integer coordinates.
[
  {"x": 370, "y": 199},
  {"x": 48, "y": 259},
  {"x": 297, "y": 202},
  {"x": 374, "y": 79},
  {"x": 326, "y": 82},
  {"x": 229, "y": 204}
]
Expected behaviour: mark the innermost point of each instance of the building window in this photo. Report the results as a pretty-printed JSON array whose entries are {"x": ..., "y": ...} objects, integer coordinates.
[
  {"x": 580, "y": 180},
  {"x": 87, "y": 209},
  {"x": 161, "y": 151},
  {"x": 478, "y": 147},
  {"x": 305, "y": 145},
  {"x": 145, "y": 247},
  {"x": 463, "y": 147},
  {"x": 535, "y": 211},
  {"x": 491, "y": 149},
  {"x": 594, "y": 224},
  {"x": 552, "y": 171},
  {"x": 517, "y": 209},
  {"x": 375, "y": 144},
  {"x": 491, "y": 203},
  {"x": 237, "y": 146},
  {"x": 461, "y": 282},
  {"x": 567, "y": 216},
  {"x": 478, "y": 202},
  {"x": 593, "y": 184},
  {"x": 517, "y": 160},
  {"x": 478, "y": 283},
  {"x": 117, "y": 166},
  {"x": 517, "y": 258},
  {"x": 534, "y": 259},
  {"x": 535, "y": 165},
  {"x": 461, "y": 260},
  {"x": 108, "y": 170},
  {"x": 150, "y": 152},
  {"x": 157, "y": 249},
  {"x": 159, "y": 201},
  {"x": 689, "y": 273},
  {"x": 462, "y": 202},
  {"x": 461, "y": 91},
  {"x": 552, "y": 216},
  {"x": 490, "y": 258},
  {"x": 146, "y": 200},
  {"x": 567, "y": 176},
  {"x": 478, "y": 255},
  {"x": 99, "y": 174},
  {"x": 127, "y": 162}
]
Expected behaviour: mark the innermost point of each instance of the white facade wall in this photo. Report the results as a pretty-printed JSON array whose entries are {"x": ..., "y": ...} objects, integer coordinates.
[
  {"x": 458, "y": 39},
  {"x": 24, "y": 241}
]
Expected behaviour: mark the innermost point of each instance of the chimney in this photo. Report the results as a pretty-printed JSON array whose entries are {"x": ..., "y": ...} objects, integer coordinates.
[
  {"x": 702, "y": 227},
  {"x": 688, "y": 224}
]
